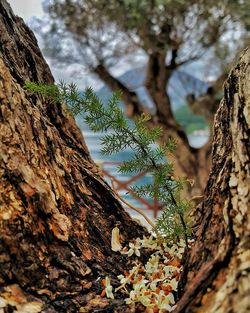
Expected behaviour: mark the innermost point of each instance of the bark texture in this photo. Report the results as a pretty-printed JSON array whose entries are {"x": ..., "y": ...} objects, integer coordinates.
[
  {"x": 56, "y": 212},
  {"x": 217, "y": 269}
]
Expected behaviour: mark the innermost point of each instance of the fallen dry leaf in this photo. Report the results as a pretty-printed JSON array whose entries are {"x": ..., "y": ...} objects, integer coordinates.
[{"x": 115, "y": 240}]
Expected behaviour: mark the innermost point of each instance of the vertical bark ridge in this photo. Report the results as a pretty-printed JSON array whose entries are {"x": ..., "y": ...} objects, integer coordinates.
[{"x": 217, "y": 268}]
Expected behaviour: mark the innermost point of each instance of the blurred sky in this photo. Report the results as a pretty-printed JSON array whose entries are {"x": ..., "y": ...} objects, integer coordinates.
[
  {"x": 30, "y": 8},
  {"x": 26, "y": 8}
]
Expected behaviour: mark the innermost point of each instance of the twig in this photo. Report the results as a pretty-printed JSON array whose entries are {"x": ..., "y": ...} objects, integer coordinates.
[
  {"x": 131, "y": 206},
  {"x": 126, "y": 281},
  {"x": 197, "y": 198}
]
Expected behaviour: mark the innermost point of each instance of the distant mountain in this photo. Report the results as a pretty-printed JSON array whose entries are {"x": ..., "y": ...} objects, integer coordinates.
[{"x": 180, "y": 85}]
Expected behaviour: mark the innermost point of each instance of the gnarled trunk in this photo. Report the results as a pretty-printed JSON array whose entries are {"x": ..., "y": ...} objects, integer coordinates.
[
  {"x": 56, "y": 212},
  {"x": 216, "y": 277}
]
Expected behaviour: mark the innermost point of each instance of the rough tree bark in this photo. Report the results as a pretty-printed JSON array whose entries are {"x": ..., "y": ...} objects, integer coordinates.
[
  {"x": 217, "y": 269},
  {"x": 56, "y": 212}
]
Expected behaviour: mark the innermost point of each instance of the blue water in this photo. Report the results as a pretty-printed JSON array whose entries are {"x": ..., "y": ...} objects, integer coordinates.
[{"x": 94, "y": 145}]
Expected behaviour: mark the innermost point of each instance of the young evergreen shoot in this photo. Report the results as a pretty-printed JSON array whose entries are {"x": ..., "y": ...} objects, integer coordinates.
[{"x": 120, "y": 134}]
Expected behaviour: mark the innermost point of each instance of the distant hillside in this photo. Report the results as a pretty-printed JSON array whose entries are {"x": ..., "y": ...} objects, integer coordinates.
[
  {"x": 189, "y": 121},
  {"x": 180, "y": 85}
]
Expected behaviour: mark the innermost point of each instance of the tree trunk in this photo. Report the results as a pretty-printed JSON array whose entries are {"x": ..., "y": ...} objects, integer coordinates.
[
  {"x": 157, "y": 78},
  {"x": 56, "y": 212},
  {"x": 217, "y": 269}
]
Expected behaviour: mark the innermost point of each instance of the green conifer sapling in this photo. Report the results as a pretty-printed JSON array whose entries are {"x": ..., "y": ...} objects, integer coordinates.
[{"x": 120, "y": 134}]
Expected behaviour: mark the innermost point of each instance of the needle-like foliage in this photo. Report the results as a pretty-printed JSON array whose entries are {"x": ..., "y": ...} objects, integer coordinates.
[{"x": 120, "y": 134}]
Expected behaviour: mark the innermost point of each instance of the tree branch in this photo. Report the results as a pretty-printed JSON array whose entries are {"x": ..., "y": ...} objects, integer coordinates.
[
  {"x": 133, "y": 106},
  {"x": 156, "y": 83},
  {"x": 173, "y": 65}
]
